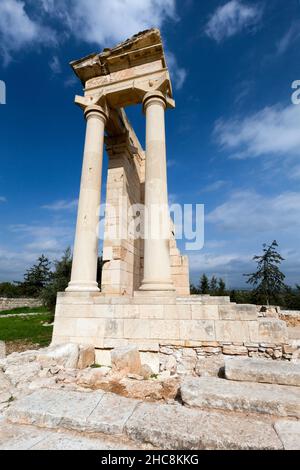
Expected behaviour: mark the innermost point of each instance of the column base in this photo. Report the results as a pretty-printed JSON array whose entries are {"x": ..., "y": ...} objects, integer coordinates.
[
  {"x": 157, "y": 286},
  {"x": 75, "y": 286}
]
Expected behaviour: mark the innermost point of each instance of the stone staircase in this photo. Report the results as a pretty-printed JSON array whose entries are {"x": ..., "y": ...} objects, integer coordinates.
[{"x": 256, "y": 406}]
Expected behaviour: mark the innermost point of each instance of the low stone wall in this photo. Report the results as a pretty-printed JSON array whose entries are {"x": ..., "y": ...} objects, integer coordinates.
[
  {"x": 195, "y": 326},
  {"x": 9, "y": 304}
]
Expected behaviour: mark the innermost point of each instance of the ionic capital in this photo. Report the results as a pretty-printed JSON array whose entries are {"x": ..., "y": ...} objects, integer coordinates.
[
  {"x": 152, "y": 97},
  {"x": 96, "y": 111}
]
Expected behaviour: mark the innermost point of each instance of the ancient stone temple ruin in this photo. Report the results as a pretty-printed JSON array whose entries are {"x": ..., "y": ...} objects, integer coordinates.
[{"x": 144, "y": 297}]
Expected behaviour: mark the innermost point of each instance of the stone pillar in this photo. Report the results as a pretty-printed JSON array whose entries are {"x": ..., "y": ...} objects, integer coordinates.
[
  {"x": 157, "y": 271},
  {"x": 85, "y": 255}
]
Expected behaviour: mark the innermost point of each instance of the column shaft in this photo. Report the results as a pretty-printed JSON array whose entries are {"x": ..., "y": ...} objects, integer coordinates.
[
  {"x": 85, "y": 255},
  {"x": 157, "y": 270}
]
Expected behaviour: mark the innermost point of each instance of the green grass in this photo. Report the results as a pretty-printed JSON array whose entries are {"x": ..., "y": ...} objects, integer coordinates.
[
  {"x": 18, "y": 310},
  {"x": 29, "y": 329}
]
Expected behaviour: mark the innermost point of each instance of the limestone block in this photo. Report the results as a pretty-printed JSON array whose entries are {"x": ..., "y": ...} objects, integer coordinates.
[
  {"x": 137, "y": 329},
  {"x": 177, "y": 312},
  {"x": 152, "y": 311},
  {"x": 220, "y": 394},
  {"x": 178, "y": 428},
  {"x": 232, "y": 350},
  {"x": 201, "y": 330},
  {"x": 103, "y": 357},
  {"x": 205, "y": 312},
  {"x": 212, "y": 366},
  {"x": 22, "y": 374},
  {"x": 150, "y": 359},
  {"x": 64, "y": 354},
  {"x": 238, "y": 312},
  {"x": 126, "y": 359},
  {"x": 263, "y": 370},
  {"x": 114, "y": 328},
  {"x": 164, "y": 329},
  {"x": 268, "y": 330},
  {"x": 232, "y": 331},
  {"x": 289, "y": 434},
  {"x": 53, "y": 408},
  {"x": 86, "y": 356}
]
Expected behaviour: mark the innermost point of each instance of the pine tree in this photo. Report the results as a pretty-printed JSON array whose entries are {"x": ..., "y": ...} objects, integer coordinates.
[
  {"x": 268, "y": 280},
  {"x": 204, "y": 284},
  {"x": 221, "y": 287},
  {"x": 213, "y": 285},
  {"x": 59, "y": 280},
  {"x": 37, "y": 277}
]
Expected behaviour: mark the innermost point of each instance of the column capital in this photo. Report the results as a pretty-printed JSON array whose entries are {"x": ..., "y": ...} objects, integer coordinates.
[
  {"x": 154, "y": 96},
  {"x": 96, "y": 110}
]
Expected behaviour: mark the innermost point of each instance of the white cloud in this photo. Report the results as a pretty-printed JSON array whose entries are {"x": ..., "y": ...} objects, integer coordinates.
[
  {"x": 289, "y": 38},
  {"x": 294, "y": 173},
  {"x": 61, "y": 205},
  {"x": 271, "y": 131},
  {"x": 103, "y": 22},
  {"x": 178, "y": 74},
  {"x": 99, "y": 22},
  {"x": 55, "y": 65},
  {"x": 3, "y": 199},
  {"x": 231, "y": 18},
  {"x": 18, "y": 30},
  {"x": 250, "y": 212},
  {"x": 215, "y": 186}
]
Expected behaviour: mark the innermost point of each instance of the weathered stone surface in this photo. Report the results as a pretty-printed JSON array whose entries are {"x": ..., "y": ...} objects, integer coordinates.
[
  {"x": 175, "y": 427},
  {"x": 289, "y": 434},
  {"x": 111, "y": 414},
  {"x": 53, "y": 408},
  {"x": 150, "y": 390},
  {"x": 220, "y": 394},
  {"x": 39, "y": 383},
  {"x": 126, "y": 359},
  {"x": 90, "y": 377},
  {"x": 64, "y": 354},
  {"x": 263, "y": 370},
  {"x": 82, "y": 411},
  {"x": 20, "y": 358},
  {"x": 235, "y": 350},
  {"x": 24, "y": 373},
  {"x": 2, "y": 350},
  {"x": 17, "y": 437},
  {"x": 212, "y": 366},
  {"x": 86, "y": 356}
]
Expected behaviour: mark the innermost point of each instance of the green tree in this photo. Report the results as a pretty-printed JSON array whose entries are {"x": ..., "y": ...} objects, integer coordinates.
[
  {"x": 60, "y": 278},
  {"x": 221, "y": 287},
  {"x": 194, "y": 290},
  {"x": 36, "y": 278},
  {"x": 268, "y": 280},
  {"x": 204, "y": 284},
  {"x": 213, "y": 285}
]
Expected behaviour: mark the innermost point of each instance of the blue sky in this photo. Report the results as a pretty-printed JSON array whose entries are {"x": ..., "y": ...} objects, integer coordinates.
[{"x": 233, "y": 140}]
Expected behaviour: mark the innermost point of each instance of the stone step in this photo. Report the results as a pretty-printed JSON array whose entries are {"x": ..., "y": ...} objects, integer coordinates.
[
  {"x": 165, "y": 426},
  {"x": 263, "y": 371},
  {"x": 220, "y": 394},
  {"x": 204, "y": 300}
]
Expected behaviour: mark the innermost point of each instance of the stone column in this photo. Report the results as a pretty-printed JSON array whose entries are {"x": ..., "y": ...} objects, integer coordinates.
[
  {"x": 85, "y": 255},
  {"x": 157, "y": 271}
]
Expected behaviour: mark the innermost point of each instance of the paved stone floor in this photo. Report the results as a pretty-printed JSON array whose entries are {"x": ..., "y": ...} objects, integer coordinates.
[{"x": 19, "y": 437}]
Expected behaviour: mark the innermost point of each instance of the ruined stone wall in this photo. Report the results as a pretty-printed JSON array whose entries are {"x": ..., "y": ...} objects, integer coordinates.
[
  {"x": 9, "y": 304},
  {"x": 123, "y": 255}
]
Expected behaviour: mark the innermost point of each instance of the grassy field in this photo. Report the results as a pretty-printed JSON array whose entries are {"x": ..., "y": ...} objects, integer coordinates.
[
  {"x": 27, "y": 330},
  {"x": 16, "y": 311}
]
